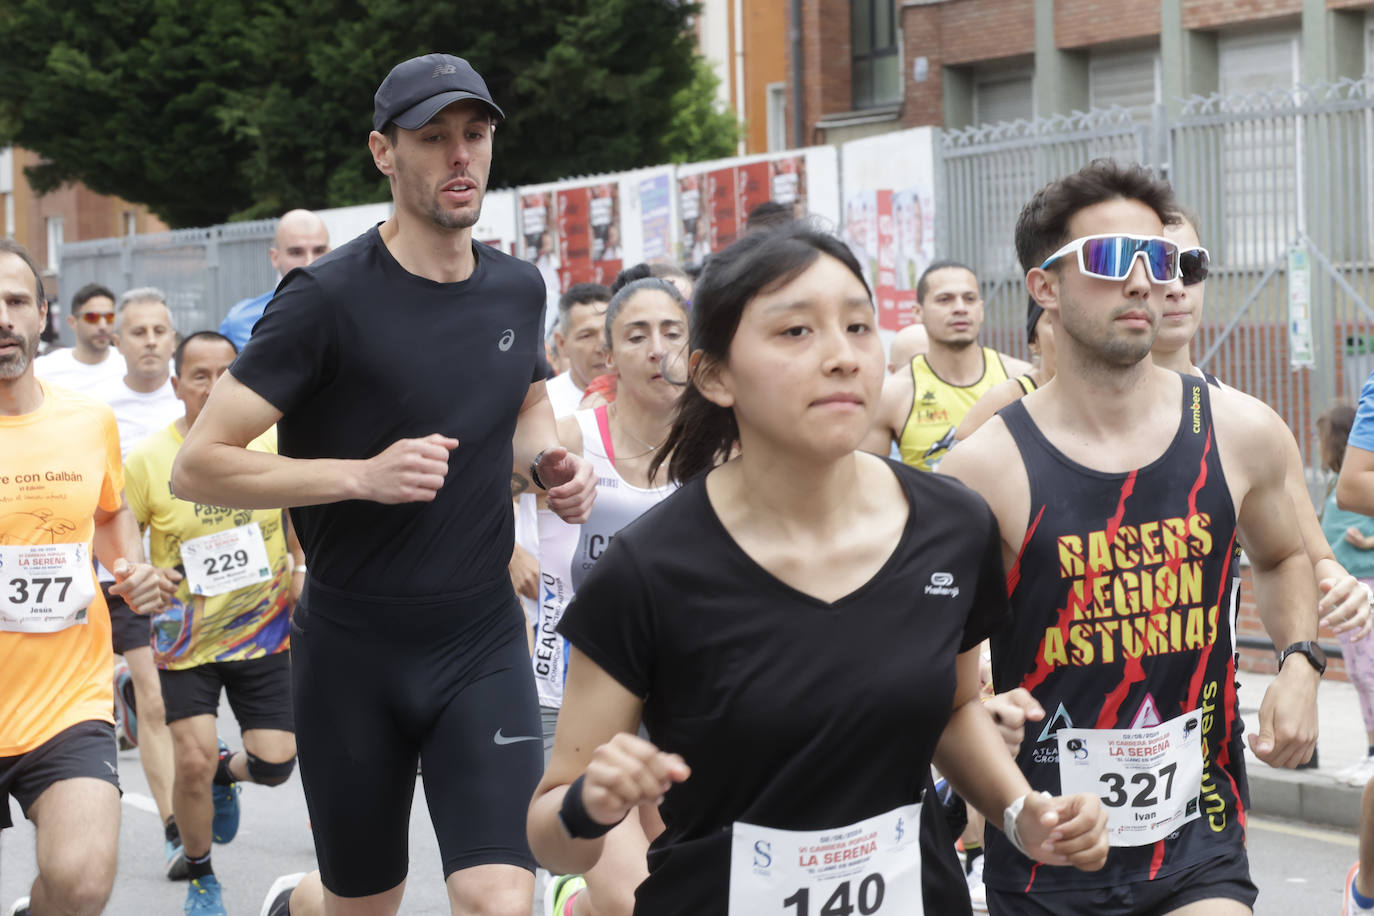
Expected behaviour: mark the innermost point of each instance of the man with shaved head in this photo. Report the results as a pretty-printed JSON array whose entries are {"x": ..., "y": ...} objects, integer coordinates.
[
  {"x": 907, "y": 344},
  {"x": 301, "y": 238}
]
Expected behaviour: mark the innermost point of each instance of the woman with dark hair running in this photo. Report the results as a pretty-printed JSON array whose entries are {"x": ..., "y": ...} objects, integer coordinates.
[
  {"x": 646, "y": 346},
  {"x": 797, "y": 628}
]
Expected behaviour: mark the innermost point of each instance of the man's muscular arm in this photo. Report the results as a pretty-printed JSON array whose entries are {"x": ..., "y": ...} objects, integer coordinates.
[
  {"x": 1285, "y": 589},
  {"x": 216, "y": 467}
]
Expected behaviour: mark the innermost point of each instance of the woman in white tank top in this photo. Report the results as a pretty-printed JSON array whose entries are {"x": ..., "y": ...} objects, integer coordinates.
[{"x": 646, "y": 337}]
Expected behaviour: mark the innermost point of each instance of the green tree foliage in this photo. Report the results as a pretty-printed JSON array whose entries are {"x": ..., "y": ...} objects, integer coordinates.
[{"x": 212, "y": 109}]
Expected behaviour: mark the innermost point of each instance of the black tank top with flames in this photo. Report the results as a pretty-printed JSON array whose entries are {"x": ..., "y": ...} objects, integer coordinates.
[{"x": 1124, "y": 600}]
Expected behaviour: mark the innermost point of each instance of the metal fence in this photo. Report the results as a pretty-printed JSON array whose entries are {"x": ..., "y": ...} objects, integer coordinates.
[
  {"x": 1283, "y": 186},
  {"x": 203, "y": 271}
]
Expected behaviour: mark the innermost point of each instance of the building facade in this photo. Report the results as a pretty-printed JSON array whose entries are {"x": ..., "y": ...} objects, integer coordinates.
[
  {"x": 72, "y": 213},
  {"x": 745, "y": 42},
  {"x": 872, "y": 66}
]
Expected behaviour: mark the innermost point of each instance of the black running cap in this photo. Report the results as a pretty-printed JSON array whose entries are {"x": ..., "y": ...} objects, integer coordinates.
[{"x": 418, "y": 89}]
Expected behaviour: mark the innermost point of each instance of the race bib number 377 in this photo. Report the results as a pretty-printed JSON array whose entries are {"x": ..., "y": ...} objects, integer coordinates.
[
  {"x": 1149, "y": 779},
  {"x": 45, "y": 588},
  {"x": 872, "y": 867}
]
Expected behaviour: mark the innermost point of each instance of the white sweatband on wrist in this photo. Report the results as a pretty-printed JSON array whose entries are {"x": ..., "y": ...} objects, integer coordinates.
[{"x": 1013, "y": 832}]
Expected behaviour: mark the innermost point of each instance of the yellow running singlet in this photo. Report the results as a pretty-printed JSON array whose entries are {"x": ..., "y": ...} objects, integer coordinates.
[{"x": 937, "y": 407}]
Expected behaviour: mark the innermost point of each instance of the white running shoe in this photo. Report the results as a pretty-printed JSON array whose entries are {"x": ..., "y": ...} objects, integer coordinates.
[
  {"x": 1357, "y": 775},
  {"x": 279, "y": 894},
  {"x": 977, "y": 893}
]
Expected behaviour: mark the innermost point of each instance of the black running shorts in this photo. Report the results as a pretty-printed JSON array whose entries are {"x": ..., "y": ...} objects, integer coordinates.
[
  {"x": 86, "y": 750},
  {"x": 381, "y": 684},
  {"x": 128, "y": 631},
  {"x": 259, "y": 691},
  {"x": 1226, "y": 877}
]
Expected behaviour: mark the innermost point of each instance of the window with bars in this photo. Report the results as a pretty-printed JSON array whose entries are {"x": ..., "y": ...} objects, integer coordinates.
[{"x": 876, "y": 61}]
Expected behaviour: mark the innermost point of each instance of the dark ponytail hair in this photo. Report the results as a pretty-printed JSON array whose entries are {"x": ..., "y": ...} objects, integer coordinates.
[{"x": 704, "y": 433}]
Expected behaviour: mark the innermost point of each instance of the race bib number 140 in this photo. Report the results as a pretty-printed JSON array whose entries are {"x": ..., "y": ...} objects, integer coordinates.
[{"x": 872, "y": 867}]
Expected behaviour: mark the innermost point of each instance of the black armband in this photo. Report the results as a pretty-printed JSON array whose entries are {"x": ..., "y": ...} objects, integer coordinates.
[{"x": 575, "y": 818}]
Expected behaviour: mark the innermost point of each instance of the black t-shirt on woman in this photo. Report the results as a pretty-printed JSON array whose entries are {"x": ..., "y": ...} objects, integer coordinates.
[
  {"x": 357, "y": 352},
  {"x": 792, "y": 713}
]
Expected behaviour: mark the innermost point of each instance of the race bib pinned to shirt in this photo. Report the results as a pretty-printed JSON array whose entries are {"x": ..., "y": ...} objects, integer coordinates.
[
  {"x": 1149, "y": 779},
  {"x": 226, "y": 561},
  {"x": 872, "y": 868},
  {"x": 45, "y": 588}
]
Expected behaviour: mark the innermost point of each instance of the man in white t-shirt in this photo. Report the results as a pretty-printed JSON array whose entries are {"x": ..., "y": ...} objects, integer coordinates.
[
  {"x": 92, "y": 363},
  {"x": 580, "y": 336},
  {"x": 143, "y": 399},
  {"x": 143, "y": 403}
]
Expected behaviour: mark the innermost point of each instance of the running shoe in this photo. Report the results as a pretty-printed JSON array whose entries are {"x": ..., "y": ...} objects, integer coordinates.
[
  {"x": 558, "y": 897},
  {"x": 279, "y": 895},
  {"x": 20, "y": 907},
  {"x": 174, "y": 854},
  {"x": 977, "y": 893},
  {"x": 225, "y": 826},
  {"x": 1357, "y": 775},
  {"x": 204, "y": 898},
  {"x": 125, "y": 707},
  {"x": 1348, "y": 905}
]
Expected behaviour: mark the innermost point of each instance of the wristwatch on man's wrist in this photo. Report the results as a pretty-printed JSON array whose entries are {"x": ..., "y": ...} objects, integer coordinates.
[{"x": 1309, "y": 649}]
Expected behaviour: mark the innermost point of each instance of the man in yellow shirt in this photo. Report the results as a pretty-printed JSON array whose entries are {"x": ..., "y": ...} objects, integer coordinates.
[
  {"x": 228, "y": 627},
  {"x": 922, "y": 405},
  {"x": 61, "y": 500}
]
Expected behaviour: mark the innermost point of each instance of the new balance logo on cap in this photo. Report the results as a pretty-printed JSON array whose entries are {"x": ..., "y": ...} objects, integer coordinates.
[{"x": 443, "y": 70}]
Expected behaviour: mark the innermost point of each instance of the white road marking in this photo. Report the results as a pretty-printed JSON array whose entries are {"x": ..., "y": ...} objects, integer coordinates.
[
  {"x": 1310, "y": 833},
  {"x": 141, "y": 802}
]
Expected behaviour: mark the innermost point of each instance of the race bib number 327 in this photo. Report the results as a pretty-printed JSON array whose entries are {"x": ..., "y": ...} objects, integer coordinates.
[
  {"x": 872, "y": 867},
  {"x": 1149, "y": 779}
]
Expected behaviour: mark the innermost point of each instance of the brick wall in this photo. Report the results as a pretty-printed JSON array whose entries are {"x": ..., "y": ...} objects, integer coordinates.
[
  {"x": 1211, "y": 14},
  {"x": 923, "y": 103},
  {"x": 1349, "y": 4},
  {"x": 978, "y": 30},
  {"x": 1080, "y": 23},
  {"x": 825, "y": 61}
]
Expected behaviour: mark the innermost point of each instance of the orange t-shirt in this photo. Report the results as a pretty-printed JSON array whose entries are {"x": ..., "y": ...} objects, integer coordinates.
[{"x": 57, "y": 465}]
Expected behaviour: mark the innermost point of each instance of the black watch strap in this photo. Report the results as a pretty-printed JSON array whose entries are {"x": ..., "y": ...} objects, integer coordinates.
[
  {"x": 534, "y": 469},
  {"x": 1309, "y": 650}
]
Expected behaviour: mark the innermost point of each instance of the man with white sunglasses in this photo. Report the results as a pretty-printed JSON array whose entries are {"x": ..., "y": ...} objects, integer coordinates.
[{"x": 1122, "y": 494}]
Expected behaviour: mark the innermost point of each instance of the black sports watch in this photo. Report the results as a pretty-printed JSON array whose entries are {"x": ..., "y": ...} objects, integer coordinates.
[{"x": 1309, "y": 648}]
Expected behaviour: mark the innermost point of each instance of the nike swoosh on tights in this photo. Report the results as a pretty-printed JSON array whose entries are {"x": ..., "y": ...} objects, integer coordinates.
[{"x": 501, "y": 739}]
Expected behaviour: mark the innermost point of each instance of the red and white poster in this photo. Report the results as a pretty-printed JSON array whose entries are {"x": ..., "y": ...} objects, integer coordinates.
[
  {"x": 889, "y": 219},
  {"x": 714, "y": 202}
]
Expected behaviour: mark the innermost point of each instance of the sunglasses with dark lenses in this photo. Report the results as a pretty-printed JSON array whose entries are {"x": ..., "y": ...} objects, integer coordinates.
[
  {"x": 1194, "y": 265},
  {"x": 1111, "y": 257},
  {"x": 98, "y": 317}
]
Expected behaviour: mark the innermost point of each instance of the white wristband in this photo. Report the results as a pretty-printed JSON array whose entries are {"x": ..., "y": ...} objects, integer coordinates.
[{"x": 1009, "y": 827}]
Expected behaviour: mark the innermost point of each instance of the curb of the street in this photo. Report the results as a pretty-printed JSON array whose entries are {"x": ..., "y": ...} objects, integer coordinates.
[{"x": 1304, "y": 795}]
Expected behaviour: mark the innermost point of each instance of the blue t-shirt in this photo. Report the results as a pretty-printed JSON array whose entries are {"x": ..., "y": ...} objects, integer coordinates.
[
  {"x": 1362, "y": 433},
  {"x": 1359, "y": 563},
  {"x": 238, "y": 324}
]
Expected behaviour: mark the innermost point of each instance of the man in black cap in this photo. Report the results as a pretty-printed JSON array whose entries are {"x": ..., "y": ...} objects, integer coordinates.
[{"x": 408, "y": 643}]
